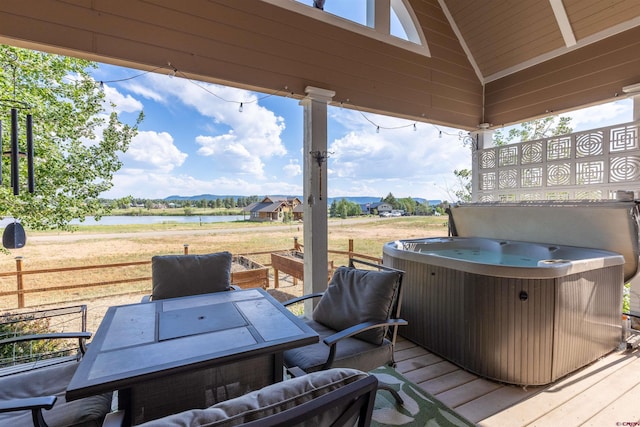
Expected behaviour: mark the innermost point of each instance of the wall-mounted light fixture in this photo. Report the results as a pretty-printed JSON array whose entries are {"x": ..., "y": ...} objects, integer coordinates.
[{"x": 635, "y": 88}]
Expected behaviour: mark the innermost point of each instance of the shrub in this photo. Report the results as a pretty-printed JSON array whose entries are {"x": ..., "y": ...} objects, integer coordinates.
[{"x": 14, "y": 325}]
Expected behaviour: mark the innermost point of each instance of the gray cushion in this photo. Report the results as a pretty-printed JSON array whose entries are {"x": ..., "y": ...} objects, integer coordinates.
[
  {"x": 349, "y": 352},
  {"x": 355, "y": 296},
  {"x": 50, "y": 381},
  {"x": 268, "y": 401},
  {"x": 182, "y": 275}
]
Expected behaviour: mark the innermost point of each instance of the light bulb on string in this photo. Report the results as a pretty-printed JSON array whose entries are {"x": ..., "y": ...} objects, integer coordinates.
[
  {"x": 241, "y": 108},
  {"x": 415, "y": 129},
  {"x": 378, "y": 129}
]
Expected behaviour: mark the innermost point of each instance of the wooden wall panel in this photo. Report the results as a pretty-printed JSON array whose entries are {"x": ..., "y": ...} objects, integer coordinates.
[{"x": 259, "y": 46}]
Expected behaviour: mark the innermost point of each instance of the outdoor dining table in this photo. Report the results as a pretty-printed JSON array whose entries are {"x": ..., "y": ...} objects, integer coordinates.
[{"x": 176, "y": 354}]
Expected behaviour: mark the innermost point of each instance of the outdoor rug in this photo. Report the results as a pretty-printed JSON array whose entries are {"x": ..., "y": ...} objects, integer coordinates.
[{"x": 419, "y": 409}]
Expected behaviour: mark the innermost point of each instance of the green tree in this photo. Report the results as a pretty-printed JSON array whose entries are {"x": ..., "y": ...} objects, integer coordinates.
[
  {"x": 76, "y": 140},
  {"x": 546, "y": 127},
  {"x": 391, "y": 200},
  {"x": 533, "y": 130},
  {"x": 462, "y": 190},
  {"x": 333, "y": 209},
  {"x": 408, "y": 204},
  {"x": 423, "y": 209},
  {"x": 344, "y": 208}
]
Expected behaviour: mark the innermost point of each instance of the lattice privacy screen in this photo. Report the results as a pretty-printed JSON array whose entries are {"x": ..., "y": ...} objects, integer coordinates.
[{"x": 583, "y": 165}]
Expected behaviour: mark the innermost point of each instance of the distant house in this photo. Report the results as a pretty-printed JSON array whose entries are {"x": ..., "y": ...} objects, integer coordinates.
[
  {"x": 274, "y": 209},
  {"x": 376, "y": 208}
]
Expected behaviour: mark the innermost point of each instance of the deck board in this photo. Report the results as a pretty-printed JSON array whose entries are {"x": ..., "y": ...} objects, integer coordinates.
[
  {"x": 494, "y": 402},
  {"x": 623, "y": 409},
  {"x": 447, "y": 382},
  {"x": 561, "y": 392},
  {"x": 580, "y": 408},
  {"x": 418, "y": 362},
  {"x": 602, "y": 393},
  {"x": 467, "y": 392}
]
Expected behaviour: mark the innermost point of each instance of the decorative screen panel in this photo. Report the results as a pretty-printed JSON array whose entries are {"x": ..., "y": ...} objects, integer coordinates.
[
  {"x": 590, "y": 144},
  {"x": 584, "y": 165},
  {"x": 488, "y": 159}
]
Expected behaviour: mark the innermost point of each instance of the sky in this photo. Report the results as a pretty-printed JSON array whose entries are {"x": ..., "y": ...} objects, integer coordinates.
[{"x": 195, "y": 140}]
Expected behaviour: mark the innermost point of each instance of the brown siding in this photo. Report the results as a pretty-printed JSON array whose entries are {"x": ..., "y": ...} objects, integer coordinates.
[
  {"x": 592, "y": 74},
  {"x": 255, "y": 45}
]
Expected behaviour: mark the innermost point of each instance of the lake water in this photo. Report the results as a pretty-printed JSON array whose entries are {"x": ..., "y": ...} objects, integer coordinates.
[{"x": 149, "y": 219}]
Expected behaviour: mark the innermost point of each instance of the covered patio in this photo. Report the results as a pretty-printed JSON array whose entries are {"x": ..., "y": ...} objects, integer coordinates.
[{"x": 473, "y": 65}]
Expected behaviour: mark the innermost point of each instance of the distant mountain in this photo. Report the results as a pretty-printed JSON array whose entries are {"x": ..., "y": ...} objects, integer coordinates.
[
  {"x": 361, "y": 200},
  {"x": 201, "y": 197}
]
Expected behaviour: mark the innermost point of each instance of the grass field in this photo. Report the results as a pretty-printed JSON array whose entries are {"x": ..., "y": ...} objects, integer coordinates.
[{"x": 99, "y": 245}]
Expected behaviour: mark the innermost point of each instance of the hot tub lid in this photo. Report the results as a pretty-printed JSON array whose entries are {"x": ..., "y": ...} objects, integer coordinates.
[{"x": 608, "y": 224}]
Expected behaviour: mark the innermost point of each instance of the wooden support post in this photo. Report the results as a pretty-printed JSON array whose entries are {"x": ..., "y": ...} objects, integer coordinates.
[
  {"x": 276, "y": 280},
  {"x": 19, "y": 281},
  {"x": 350, "y": 248},
  {"x": 186, "y": 249}
]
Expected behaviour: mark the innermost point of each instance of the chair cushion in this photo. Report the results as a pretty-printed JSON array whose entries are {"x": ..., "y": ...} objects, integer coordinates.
[
  {"x": 267, "y": 401},
  {"x": 182, "y": 275},
  {"x": 355, "y": 296},
  {"x": 349, "y": 352},
  {"x": 50, "y": 381}
]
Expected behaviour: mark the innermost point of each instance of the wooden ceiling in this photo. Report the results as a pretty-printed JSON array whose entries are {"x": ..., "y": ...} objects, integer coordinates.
[
  {"x": 491, "y": 61},
  {"x": 506, "y": 36}
]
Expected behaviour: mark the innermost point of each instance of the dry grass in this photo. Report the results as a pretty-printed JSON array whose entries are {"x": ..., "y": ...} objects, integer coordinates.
[{"x": 57, "y": 250}]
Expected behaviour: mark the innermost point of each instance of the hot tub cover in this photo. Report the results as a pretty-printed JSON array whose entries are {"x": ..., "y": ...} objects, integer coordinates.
[{"x": 608, "y": 224}]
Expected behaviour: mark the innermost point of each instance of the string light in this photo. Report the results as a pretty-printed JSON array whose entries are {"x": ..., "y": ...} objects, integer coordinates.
[
  {"x": 378, "y": 127},
  {"x": 173, "y": 71}
]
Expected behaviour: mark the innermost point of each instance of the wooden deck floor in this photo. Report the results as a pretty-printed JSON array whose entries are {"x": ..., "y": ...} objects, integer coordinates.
[{"x": 605, "y": 393}]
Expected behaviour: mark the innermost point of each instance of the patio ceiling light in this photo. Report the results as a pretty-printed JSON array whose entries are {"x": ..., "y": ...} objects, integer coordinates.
[{"x": 635, "y": 88}]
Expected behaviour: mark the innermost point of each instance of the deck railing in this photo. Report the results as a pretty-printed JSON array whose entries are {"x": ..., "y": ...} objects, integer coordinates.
[{"x": 124, "y": 278}]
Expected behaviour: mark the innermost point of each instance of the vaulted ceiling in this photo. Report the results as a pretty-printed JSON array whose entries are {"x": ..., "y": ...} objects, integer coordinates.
[
  {"x": 504, "y": 36},
  {"x": 491, "y": 61}
]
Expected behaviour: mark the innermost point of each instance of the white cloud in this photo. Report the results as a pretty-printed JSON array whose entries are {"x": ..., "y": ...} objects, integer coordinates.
[
  {"x": 229, "y": 155},
  {"x": 155, "y": 151},
  {"x": 292, "y": 169},
  {"x": 602, "y": 115},
  {"x": 144, "y": 91},
  {"x": 396, "y": 159},
  {"x": 123, "y": 103},
  {"x": 256, "y": 128}
]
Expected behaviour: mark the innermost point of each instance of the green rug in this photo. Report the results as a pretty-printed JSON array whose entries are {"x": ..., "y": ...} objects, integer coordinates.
[{"x": 419, "y": 408}]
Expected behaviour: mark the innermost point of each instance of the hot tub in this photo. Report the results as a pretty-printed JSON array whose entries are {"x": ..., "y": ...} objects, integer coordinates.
[{"x": 515, "y": 311}]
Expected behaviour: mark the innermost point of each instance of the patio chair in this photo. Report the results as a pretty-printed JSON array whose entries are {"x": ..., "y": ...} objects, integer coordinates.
[
  {"x": 175, "y": 276},
  {"x": 357, "y": 319},
  {"x": 38, "y": 361},
  {"x": 335, "y": 397}
]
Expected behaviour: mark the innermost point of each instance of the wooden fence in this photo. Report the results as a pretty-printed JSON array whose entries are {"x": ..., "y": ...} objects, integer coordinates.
[{"x": 125, "y": 273}]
